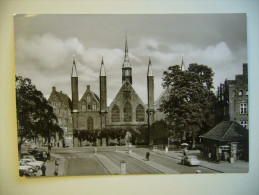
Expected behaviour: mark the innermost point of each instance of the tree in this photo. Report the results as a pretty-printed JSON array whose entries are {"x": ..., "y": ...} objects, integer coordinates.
[
  {"x": 189, "y": 101},
  {"x": 159, "y": 132},
  {"x": 34, "y": 115}
]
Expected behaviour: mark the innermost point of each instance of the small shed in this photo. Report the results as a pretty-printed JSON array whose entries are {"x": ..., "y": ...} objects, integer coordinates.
[{"x": 226, "y": 141}]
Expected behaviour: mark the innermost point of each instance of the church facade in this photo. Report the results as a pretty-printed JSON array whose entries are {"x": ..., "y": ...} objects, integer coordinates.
[{"x": 91, "y": 112}]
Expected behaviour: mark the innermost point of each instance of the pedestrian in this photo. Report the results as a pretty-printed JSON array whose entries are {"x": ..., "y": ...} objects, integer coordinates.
[
  {"x": 209, "y": 156},
  {"x": 184, "y": 152},
  {"x": 56, "y": 162},
  {"x": 147, "y": 155},
  {"x": 56, "y": 170},
  {"x": 43, "y": 170}
]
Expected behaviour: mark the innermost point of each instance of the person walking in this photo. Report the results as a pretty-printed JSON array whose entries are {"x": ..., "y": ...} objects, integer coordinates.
[
  {"x": 43, "y": 170},
  {"x": 147, "y": 155},
  {"x": 56, "y": 170}
]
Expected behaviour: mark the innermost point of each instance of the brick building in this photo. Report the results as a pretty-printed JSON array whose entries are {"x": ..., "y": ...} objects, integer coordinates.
[
  {"x": 232, "y": 104},
  {"x": 92, "y": 112}
]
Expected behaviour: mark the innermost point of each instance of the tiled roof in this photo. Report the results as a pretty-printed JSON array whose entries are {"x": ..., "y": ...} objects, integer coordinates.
[
  {"x": 227, "y": 131},
  {"x": 64, "y": 99}
]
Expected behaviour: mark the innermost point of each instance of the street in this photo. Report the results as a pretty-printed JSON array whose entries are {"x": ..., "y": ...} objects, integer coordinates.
[{"x": 106, "y": 161}]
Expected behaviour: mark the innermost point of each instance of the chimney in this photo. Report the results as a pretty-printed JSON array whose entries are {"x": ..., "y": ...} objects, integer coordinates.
[
  {"x": 88, "y": 87},
  {"x": 61, "y": 92},
  {"x": 54, "y": 89},
  {"x": 245, "y": 69}
]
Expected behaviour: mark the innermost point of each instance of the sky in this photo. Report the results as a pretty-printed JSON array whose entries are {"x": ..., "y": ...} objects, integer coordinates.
[{"x": 45, "y": 45}]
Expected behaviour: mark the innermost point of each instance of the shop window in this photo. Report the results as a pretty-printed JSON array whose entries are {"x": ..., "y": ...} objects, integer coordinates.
[{"x": 115, "y": 117}]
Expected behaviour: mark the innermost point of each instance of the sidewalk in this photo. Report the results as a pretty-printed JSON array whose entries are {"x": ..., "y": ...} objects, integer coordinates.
[
  {"x": 50, "y": 166},
  {"x": 221, "y": 167}
]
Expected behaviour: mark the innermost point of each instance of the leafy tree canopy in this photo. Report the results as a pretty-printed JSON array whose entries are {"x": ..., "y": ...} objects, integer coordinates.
[
  {"x": 34, "y": 115},
  {"x": 189, "y": 101}
]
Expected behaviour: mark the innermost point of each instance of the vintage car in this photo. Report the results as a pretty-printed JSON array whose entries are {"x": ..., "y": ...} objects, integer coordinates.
[
  {"x": 32, "y": 162},
  {"x": 25, "y": 170},
  {"x": 190, "y": 160}
]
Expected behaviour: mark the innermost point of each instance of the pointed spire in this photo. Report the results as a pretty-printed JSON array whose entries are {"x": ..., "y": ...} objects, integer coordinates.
[
  {"x": 102, "y": 69},
  {"x": 74, "y": 71},
  {"x": 149, "y": 72},
  {"x": 182, "y": 64},
  {"x": 126, "y": 62}
]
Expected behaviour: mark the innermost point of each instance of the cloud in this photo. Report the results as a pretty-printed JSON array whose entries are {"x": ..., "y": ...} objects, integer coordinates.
[{"x": 47, "y": 60}]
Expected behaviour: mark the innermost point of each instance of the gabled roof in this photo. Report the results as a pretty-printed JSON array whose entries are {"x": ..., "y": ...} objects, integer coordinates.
[
  {"x": 63, "y": 98},
  {"x": 227, "y": 131},
  {"x": 125, "y": 83},
  {"x": 97, "y": 99}
]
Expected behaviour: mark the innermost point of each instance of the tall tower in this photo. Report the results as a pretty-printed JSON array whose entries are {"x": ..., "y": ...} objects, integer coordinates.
[
  {"x": 150, "y": 97},
  {"x": 103, "y": 95},
  {"x": 183, "y": 65},
  {"x": 126, "y": 67},
  {"x": 74, "y": 89}
]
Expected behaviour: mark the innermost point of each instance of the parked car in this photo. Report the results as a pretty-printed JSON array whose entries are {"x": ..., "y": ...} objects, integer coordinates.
[
  {"x": 190, "y": 160},
  {"x": 25, "y": 170},
  {"x": 32, "y": 162}
]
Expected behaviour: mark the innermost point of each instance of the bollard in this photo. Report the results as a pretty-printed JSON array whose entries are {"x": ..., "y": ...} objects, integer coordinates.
[
  {"x": 123, "y": 167},
  {"x": 130, "y": 148},
  {"x": 166, "y": 149},
  {"x": 116, "y": 148},
  {"x": 95, "y": 150}
]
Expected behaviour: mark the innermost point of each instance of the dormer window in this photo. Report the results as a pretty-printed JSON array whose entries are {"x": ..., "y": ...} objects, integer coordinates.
[
  {"x": 246, "y": 92},
  {"x": 240, "y": 93}
]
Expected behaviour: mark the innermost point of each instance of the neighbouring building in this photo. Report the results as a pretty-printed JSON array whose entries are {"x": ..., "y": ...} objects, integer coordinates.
[
  {"x": 226, "y": 141},
  {"x": 91, "y": 112},
  {"x": 232, "y": 104}
]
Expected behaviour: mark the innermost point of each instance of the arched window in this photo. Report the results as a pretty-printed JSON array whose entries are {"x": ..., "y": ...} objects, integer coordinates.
[
  {"x": 90, "y": 123},
  {"x": 140, "y": 114},
  {"x": 88, "y": 98},
  {"x": 83, "y": 105},
  {"x": 115, "y": 114},
  {"x": 127, "y": 112}
]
